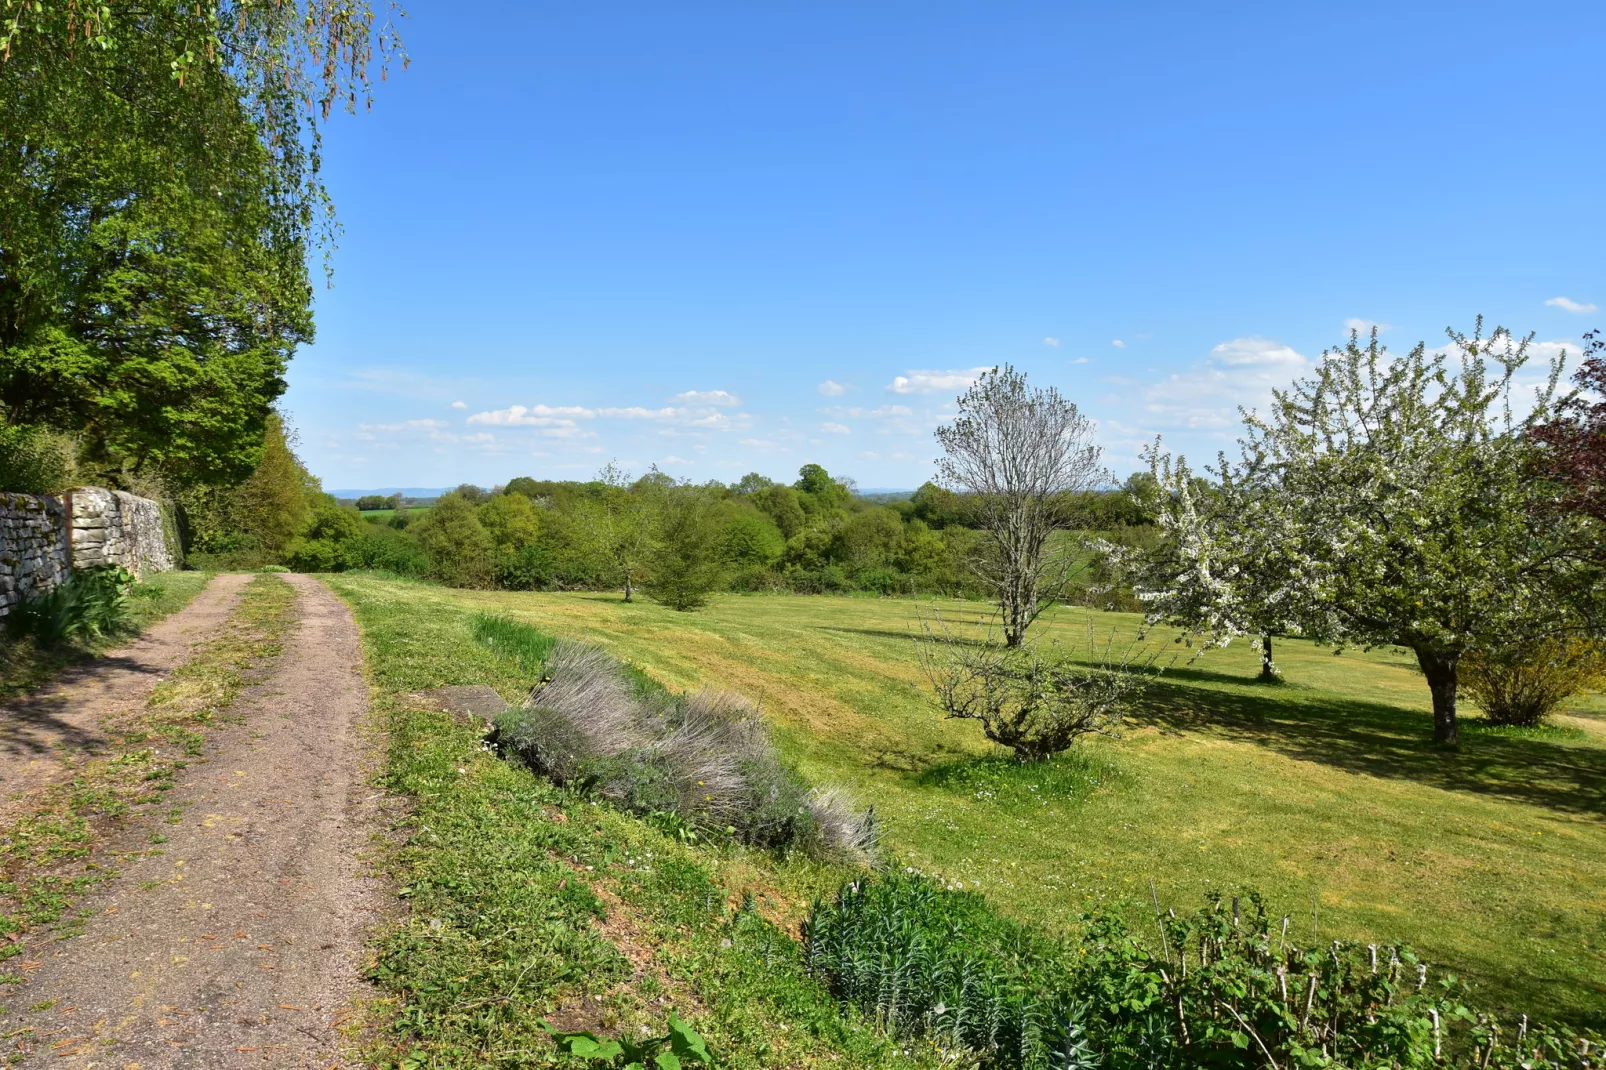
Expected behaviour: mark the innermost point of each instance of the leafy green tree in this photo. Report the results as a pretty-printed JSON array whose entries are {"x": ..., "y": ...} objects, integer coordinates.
[
  {"x": 512, "y": 522},
  {"x": 261, "y": 514},
  {"x": 523, "y": 485},
  {"x": 750, "y": 539},
  {"x": 783, "y": 506},
  {"x": 619, "y": 517},
  {"x": 370, "y": 502},
  {"x": 153, "y": 279},
  {"x": 1398, "y": 499},
  {"x": 686, "y": 563},
  {"x": 330, "y": 541},
  {"x": 461, "y": 553},
  {"x": 819, "y": 493}
]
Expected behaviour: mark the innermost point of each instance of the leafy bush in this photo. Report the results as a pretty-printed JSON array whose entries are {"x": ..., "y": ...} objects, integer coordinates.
[
  {"x": 1522, "y": 685},
  {"x": 34, "y": 460},
  {"x": 529, "y": 568},
  {"x": 707, "y": 758},
  {"x": 1224, "y": 989},
  {"x": 828, "y": 579},
  {"x": 460, "y": 549},
  {"x": 331, "y": 541},
  {"x": 92, "y": 604},
  {"x": 389, "y": 550}
]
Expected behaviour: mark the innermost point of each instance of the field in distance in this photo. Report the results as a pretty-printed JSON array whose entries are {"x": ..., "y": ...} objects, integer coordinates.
[{"x": 1324, "y": 793}]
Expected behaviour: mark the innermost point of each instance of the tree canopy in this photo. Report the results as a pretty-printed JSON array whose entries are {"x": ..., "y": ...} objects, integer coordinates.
[{"x": 1386, "y": 500}]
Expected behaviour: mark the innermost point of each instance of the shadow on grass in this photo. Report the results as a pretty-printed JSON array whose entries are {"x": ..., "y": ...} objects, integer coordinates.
[
  {"x": 1014, "y": 787},
  {"x": 1542, "y": 769}
]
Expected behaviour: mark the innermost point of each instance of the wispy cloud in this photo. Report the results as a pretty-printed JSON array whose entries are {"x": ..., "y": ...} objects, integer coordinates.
[
  {"x": 459, "y": 404},
  {"x": 722, "y": 398},
  {"x": 1364, "y": 326},
  {"x": 1082, "y": 360},
  {"x": 1241, "y": 372},
  {"x": 1567, "y": 304},
  {"x": 1117, "y": 343},
  {"x": 836, "y": 429},
  {"x": 1052, "y": 342},
  {"x": 930, "y": 382},
  {"x": 832, "y": 389}
]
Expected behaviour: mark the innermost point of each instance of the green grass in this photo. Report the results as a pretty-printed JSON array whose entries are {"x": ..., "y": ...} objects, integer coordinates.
[
  {"x": 24, "y": 667},
  {"x": 528, "y": 903},
  {"x": 1323, "y": 792}
]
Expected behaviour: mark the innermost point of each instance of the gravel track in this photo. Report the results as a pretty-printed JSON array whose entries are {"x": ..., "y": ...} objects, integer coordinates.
[{"x": 240, "y": 943}]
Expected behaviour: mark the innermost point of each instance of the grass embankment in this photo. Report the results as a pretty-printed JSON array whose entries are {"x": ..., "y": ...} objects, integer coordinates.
[
  {"x": 528, "y": 903},
  {"x": 1324, "y": 793},
  {"x": 50, "y": 858},
  {"x": 24, "y": 667}
]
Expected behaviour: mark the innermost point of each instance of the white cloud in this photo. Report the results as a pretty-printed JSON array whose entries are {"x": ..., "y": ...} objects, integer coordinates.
[
  {"x": 1364, "y": 326},
  {"x": 1082, "y": 360},
  {"x": 459, "y": 404},
  {"x": 1117, "y": 343},
  {"x": 1052, "y": 341},
  {"x": 836, "y": 429},
  {"x": 832, "y": 389},
  {"x": 1242, "y": 372},
  {"x": 407, "y": 425},
  {"x": 1567, "y": 304},
  {"x": 672, "y": 459},
  {"x": 703, "y": 416},
  {"x": 930, "y": 382},
  {"x": 721, "y": 398}
]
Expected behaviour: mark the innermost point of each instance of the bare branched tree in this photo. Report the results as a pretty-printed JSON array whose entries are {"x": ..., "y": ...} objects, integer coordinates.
[
  {"x": 1036, "y": 705},
  {"x": 1019, "y": 454}
]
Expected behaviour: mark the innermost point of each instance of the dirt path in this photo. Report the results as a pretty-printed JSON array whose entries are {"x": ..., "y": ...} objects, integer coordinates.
[
  {"x": 43, "y": 735},
  {"x": 240, "y": 943}
]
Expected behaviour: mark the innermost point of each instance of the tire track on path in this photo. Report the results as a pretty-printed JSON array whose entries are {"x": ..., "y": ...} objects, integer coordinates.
[
  {"x": 44, "y": 734},
  {"x": 240, "y": 944}
]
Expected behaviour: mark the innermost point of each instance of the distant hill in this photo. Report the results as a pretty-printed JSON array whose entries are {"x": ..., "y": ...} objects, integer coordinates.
[{"x": 885, "y": 495}]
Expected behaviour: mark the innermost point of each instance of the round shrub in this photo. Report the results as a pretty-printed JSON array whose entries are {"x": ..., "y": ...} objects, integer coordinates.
[{"x": 1523, "y": 684}]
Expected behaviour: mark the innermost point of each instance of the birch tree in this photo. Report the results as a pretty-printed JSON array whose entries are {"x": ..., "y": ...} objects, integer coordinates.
[{"x": 1018, "y": 454}]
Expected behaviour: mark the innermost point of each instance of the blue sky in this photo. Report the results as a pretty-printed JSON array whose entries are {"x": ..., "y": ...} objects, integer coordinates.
[{"x": 728, "y": 237}]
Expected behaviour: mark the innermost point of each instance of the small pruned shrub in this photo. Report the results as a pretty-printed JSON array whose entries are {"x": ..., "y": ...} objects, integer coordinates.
[
  {"x": 1223, "y": 987},
  {"x": 1035, "y": 705},
  {"x": 1523, "y": 684},
  {"x": 704, "y": 759},
  {"x": 92, "y": 604}
]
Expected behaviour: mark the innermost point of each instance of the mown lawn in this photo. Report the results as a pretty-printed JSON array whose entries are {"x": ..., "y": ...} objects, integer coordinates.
[{"x": 1324, "y": 793}]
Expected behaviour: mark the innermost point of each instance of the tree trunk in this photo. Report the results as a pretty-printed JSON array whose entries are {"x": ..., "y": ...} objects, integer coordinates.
[
  {"x": 1440, "y": 668},
  {"x": 628, "y": 588},
  {"x": 1268, "y": 668}
]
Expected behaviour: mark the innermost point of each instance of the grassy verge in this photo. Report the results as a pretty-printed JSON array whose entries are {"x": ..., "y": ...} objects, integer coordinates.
[
  {"x": 530, "y": 903},
  {"x": 24, "y": 667},
  {"x": 50, "y": 858},
  {"x": 1324, "y": 793}
]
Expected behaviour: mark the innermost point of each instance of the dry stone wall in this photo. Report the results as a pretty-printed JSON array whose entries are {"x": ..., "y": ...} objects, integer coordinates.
[
  {"x": 113, "y": 527},
  {"x": 33, "y": 547},
  {"x": 43, "y": 539}
]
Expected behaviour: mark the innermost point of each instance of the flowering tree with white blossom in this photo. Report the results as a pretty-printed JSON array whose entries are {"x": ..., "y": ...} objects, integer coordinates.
[{"x": 1386, "y": 500}]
